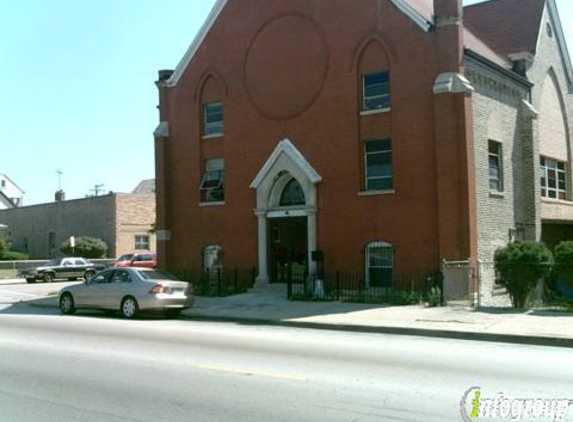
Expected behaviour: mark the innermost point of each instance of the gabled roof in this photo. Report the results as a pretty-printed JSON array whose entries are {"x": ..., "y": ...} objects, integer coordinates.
[
  {"x": 507, "y": 26},
  {"x": 6, "y": 201},
  {"x": 12, "y": 182},
  {"x": 493, "y": 29},
  {"x": 287, "y": 148}
]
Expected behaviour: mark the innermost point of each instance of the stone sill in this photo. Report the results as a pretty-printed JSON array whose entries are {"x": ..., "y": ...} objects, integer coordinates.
[
  {"x": 218, "y": 135},
  {"x": 377, "y": 192},
  {"x": 376, "y": 111},
  {"x": 211, "y": 204},
  {"x": 556, "y": 201},
  {"x": 496, "y": 194}
]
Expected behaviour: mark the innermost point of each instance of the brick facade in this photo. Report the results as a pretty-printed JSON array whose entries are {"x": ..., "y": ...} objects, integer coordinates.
[
  {"x": 309, "y": 92},
  {"x": 115, "y": 218}
]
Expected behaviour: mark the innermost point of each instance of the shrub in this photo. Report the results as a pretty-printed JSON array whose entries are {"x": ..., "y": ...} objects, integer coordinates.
[
  {"x": 434, "y": 297},
  {"x": 87, "y": 247},
  {"x": 13, "y": 256},
  {"x": 563, "y": 256},
  {"x": 520, "y": 266},
  {"x": 3, "y": 247}
]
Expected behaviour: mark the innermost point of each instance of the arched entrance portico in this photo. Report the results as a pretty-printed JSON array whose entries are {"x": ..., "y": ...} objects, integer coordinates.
[{"x": 286, "y": 190}]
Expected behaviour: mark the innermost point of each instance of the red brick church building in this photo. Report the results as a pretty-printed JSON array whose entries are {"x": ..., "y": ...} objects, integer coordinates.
[{"x": 360, "y": 129}]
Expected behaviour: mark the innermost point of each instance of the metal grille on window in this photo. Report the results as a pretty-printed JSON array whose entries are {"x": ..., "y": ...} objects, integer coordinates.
[
  {"x": 379, "y": 264},
  {"x": 292, "y": 194},
  {"x": 376, "y": 91},
  {"x": 212, "y": 189},
  {"x": 213, "y": 119},
  {"x": 378, "y": 157}
]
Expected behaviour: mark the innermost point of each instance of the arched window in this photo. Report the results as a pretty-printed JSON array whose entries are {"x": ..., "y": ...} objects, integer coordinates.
[
  {"x": 212, "y": 258},
  {"x": 292, "y": 194},
  {"x": 379, "y": 264}
]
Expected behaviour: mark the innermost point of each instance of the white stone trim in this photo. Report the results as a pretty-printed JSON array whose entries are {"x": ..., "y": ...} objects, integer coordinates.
[
  {"x": 528, "y": 109},
  {"x": 413, "y": 14},
  {"x": 199, "y": 38},
  {"x": 287, "y": 148},
  {"x": 284, "y": 163},
  {"x": 377, "y": 192},
  {"x": 162, "y": 130},
  {"x": 377, "y": 111},
  {"x": 212, "y": 204},
  {"x": 452, "y": 82}
]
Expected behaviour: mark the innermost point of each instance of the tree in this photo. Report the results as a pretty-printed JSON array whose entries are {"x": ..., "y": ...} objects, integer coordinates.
[
  {"x": 563, "y": 256},
  {"x": 3, "y": 247},
  {"x": 521, "y": 265},
  {"x": 87, "y": 247}
]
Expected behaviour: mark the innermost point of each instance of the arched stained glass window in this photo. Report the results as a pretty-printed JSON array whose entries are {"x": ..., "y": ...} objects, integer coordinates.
[{"x": 292, "y": 194}]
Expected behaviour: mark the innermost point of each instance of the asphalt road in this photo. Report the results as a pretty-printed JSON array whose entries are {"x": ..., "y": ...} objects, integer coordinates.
[{"x": 92, "y": 367}]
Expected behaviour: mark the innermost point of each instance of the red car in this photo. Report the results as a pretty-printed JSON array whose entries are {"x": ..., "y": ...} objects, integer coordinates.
[{"x": 139, "y": 259}]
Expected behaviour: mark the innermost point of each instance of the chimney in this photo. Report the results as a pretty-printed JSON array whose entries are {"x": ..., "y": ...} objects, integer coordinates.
[
  {"x": 448, "y": 10},
  {"x": 164, "y": 75},
  {"x": 60, "y": 196}
]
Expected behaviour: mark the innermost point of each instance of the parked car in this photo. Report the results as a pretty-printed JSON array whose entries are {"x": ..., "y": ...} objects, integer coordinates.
[
  {"x": 129, "y": 291},
  {"x": 140, "y": 259},
  {"x": 61, "y": 268}
]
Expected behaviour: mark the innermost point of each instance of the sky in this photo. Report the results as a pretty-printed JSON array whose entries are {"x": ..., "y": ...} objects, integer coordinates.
[{"x": 78, "y": 88}]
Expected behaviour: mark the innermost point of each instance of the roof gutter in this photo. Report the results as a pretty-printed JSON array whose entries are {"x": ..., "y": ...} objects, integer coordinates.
[{"x": 511, "y": 75}]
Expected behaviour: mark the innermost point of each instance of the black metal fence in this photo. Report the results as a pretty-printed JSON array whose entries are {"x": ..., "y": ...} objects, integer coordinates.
[
  {"x": 219, "y": 282},
  {"x": 354, "y": 287}
]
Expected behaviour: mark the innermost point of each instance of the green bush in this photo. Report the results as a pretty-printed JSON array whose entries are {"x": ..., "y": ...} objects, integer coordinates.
[
  {"x": 520, "y": 266},
  {"x": 87, "y": 247},
  {"x": 3, "y": 247},
  {"x": 434, "y": 298},
  {"x": 13, "y": 256},
  {"x": 563, "y": 256}
]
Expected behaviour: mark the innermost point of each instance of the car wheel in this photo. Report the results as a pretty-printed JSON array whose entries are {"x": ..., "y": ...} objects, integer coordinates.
[
  {"x": 48, "y": 277},
  {"x": 67, "y": 306},
  {"x": 129, "y": 307},
  {"x": 30, "y": 280},
  {"x": 89, "y": 274},
  {"x": 173, "y": 313}
]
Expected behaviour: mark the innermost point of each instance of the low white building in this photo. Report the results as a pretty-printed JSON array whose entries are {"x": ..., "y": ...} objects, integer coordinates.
[{"x": 10, "y": 194}]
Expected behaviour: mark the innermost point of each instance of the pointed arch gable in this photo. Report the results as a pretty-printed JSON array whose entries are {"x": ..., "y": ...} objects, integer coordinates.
[
  {"x": 287, "y": 148},
  {"x": 382, "y": 41},
  {"x": 214, "y": 74},
  {"x": 553, "y": 125}
]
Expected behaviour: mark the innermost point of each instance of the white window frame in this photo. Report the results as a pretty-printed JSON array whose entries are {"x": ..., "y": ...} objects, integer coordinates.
[
  {"x": 214, "y": 170},
  {"x": 215, "y": 128},
  {"x": 366, "y": 99},
  {"x": 142, "y": 239},
  {"x": 368, "y": 178},
  {"x": 499, "y": 161},
  {"x": 367, "y": 264},
  {"x": 212, "y": 258},
  {"x": 547, "y": 165}
]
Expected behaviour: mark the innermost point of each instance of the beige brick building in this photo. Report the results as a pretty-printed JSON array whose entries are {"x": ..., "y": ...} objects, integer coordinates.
[{"x": 124, "y": 221}]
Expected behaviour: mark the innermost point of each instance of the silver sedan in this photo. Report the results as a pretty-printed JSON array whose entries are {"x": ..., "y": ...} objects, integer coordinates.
[{"x": 129, "y": 291}]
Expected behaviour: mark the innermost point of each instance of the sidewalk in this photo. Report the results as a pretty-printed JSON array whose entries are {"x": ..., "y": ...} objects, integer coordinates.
[{"x": 270, "y": 306}]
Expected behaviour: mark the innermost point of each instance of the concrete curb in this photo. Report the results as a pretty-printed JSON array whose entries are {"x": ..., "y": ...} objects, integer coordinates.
[{"x": 404, "y": 331}]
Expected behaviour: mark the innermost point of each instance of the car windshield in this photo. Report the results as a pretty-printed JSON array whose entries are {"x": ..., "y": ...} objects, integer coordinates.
[
  {"x": 157, "y": 275},
  {"x": 125, "y": 257},
  {"x": 53, "y": 263}
]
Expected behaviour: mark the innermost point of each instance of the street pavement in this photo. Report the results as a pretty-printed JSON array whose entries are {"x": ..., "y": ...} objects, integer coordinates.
[
  {"x": 97, "y": 368},
  {"x": 270, "y": 306}
]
